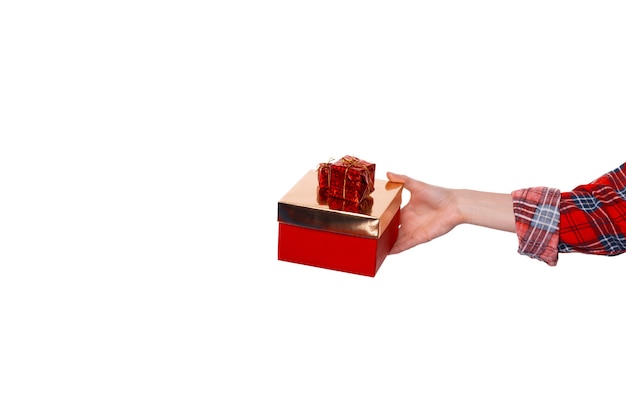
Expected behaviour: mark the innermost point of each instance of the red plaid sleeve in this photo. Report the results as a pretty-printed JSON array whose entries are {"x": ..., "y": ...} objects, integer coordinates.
[
  {"x": 590, "y": 219},
  {"x": 537, "y": 217},
  {"x": 593, "y": 216}
]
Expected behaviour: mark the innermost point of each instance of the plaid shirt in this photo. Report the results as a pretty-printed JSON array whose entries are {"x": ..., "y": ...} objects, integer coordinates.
[{"x": 590, "y": 219}]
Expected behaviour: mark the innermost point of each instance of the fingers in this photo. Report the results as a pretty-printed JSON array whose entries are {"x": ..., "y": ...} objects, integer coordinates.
[
  {"x": 398, "y": 247},
  {"x": 403, "y": 243},
  {"x": 406, "y": 238}
]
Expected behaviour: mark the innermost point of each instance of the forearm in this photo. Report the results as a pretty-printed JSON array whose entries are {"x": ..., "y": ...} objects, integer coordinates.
[{"x": 491, "y": 210}]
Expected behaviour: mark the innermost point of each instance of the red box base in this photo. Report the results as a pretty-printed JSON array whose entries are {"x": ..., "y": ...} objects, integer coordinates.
[{"x": 335, "y": 251}]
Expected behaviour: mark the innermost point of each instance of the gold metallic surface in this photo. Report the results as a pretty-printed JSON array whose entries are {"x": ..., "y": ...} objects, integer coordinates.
[{"x": 300, "y": 207}]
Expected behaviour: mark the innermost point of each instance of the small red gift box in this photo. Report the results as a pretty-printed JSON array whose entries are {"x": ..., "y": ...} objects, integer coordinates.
[
  {"x": 355, "y": 241},
  {"x": 349, "y": 178}
]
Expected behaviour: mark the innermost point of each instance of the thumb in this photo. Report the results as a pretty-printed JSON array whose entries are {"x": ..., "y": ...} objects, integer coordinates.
[{"x": 396, "y": 178}]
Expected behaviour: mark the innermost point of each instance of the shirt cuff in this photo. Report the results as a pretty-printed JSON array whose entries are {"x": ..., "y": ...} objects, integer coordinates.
[{"x": 537, "y": 219}]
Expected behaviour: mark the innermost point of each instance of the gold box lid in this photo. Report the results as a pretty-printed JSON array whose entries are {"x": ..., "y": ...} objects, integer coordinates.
[{"x": 301, "y": 206}]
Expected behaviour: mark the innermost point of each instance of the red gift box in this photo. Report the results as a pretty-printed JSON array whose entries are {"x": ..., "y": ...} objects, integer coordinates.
[
  {"x": 311, "y": 232},
  {"x": 350, "y": 178}
]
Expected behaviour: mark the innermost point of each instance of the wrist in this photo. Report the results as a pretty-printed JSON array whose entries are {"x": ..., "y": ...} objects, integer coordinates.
[{"x": 492, "y": 210}]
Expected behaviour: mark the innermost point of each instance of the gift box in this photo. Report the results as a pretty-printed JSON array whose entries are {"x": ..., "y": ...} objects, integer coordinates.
[
  {"x": 349, "y": 178},
  {"x": 349, "y": 239}
]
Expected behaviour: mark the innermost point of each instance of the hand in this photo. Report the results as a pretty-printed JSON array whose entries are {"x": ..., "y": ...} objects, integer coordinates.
[
  {"x": 434, "y": 211},
  {"x": 431, "y": 212}
]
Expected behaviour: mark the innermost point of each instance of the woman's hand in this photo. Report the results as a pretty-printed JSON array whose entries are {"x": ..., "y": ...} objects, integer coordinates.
[{"x": 430, "y": 213}]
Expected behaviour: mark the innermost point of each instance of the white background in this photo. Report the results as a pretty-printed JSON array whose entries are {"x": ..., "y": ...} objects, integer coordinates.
[{"x": 144, "y": 147}]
